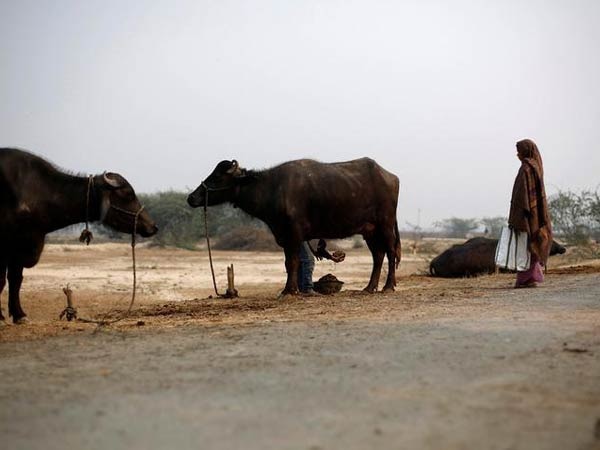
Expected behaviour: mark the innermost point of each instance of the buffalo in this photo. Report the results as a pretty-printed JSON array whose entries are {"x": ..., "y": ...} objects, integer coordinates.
[
  {"x": 471, "y": 258},
  {"x": 37, "y": 198},
  {"x": 306, "y": 199}
]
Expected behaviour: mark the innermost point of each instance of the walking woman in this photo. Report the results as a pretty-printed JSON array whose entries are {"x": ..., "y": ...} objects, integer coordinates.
[{"x": 529, "y": 212}]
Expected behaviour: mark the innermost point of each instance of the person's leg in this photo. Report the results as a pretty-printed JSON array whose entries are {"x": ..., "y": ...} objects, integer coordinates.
[
  {"x": 305, "y": 271},
  {"x": 537, "y": 275},
  {"x": 531, "y": 276}
]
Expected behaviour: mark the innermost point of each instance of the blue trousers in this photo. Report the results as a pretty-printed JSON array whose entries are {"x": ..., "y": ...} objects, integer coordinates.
[{"x": 305, "y": 270}]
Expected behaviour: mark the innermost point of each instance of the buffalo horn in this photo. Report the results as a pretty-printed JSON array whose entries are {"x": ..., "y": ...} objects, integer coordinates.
[{"x": 110, "y": 181}]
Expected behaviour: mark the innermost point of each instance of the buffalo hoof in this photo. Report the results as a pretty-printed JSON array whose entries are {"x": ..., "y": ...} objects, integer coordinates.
[
  {"x": 3, "y": 323},
  {"x": 22, "y": 321},
  {"x": 285, "y": 295},
  {"x": 387, "y": 290}
]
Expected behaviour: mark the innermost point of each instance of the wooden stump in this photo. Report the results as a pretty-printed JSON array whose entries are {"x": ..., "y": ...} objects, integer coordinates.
[{"x": 231, "y": 290}]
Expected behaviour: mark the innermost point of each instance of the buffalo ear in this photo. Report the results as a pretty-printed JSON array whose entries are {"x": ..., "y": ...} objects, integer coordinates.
[{"x": 234, "y": 167}]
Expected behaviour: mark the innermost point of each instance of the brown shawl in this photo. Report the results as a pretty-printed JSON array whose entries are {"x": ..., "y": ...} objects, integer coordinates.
[{"x": 528, "y": 205}]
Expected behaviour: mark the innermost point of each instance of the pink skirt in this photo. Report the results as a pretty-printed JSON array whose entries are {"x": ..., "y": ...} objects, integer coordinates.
[{"x": 533, "y": 275}]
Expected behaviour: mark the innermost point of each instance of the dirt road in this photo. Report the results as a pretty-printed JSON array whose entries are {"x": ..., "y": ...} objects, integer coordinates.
[{"x": 440, "y": 364}]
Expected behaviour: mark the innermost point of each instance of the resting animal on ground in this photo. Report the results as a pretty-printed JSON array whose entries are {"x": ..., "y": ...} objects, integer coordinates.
[
  {"x": 305, "y": 199},
  {"x": 473, "y": 257},
  {"x": 37, "y": 198}
]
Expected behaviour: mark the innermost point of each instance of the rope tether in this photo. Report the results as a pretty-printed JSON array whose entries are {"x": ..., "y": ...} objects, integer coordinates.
[
  {"x": 212, "y": 270},
  {"x": 70, "y": 312}
]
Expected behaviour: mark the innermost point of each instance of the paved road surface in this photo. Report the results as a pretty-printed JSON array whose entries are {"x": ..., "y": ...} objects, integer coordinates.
[{"x": 529, "y": 379}]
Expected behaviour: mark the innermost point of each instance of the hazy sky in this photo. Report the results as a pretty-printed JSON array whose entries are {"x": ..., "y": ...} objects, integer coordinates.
[{"x": 437, "y": 92}]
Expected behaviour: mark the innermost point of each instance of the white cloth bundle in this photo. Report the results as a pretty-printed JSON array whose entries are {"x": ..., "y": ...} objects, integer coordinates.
[{"x": 512, "y": 252}]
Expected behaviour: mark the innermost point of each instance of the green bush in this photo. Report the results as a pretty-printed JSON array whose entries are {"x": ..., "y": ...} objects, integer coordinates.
[
  {"x": 247, "y": 238},
  {"x": 182, "y": 226},
  {"x": 178, "y": 224},
  {"x": 576, "y": 215}
]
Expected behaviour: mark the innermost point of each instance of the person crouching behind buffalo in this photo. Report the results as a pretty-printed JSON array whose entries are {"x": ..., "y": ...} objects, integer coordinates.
[
  {"x": 529, "y": 212},
  {"x": 307, "y": 264}
]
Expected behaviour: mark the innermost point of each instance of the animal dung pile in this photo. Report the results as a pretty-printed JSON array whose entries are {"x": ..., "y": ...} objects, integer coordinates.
[{"x": 328, "y": 284}]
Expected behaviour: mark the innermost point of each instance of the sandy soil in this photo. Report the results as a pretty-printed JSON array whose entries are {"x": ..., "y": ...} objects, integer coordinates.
[{"x": 467, "y": 363}]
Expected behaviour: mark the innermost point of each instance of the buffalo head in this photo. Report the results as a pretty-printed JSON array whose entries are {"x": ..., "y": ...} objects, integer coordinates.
[
  {"x": 557, "y": 249},
  {"x": 120, "y": 206},
  {"x": 220, "y": 185}
]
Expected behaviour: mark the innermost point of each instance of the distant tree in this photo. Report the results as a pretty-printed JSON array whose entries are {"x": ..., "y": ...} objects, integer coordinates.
[
  {"x": 99, "y": 231},
  {"x": 457, "y": 227},
  {"x": 575, "y": 215},
  {"x": 253, "y": 237},
  {"x": 493, "y": 225},
  {"x": 414, "y": 229},
  {"x": 182, "y": 226},
  {"x": 177, "y": 224},
  {"x": 594, "y": 211},
  {"x": 416, "y": 233}
]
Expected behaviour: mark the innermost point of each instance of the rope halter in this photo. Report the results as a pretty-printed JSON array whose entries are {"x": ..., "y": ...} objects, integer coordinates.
[{"x": 86, "y": 235}]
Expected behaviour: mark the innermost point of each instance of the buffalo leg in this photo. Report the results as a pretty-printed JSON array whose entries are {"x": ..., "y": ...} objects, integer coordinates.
[
  {"x": 2, "y": 285},
  {"x": 390, "y": 282},
  {"x": 377, "y": 253},
  {"x": 15, "y": 278},
  {"x": 292, "y": 262}
]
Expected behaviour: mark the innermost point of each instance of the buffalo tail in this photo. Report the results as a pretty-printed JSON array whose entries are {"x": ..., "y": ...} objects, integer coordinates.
[{"x": 398, "y": 246}]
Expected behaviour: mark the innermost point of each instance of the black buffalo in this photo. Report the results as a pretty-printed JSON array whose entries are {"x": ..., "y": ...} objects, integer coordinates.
[
  {"x": 305, "y": 199},
  {"x": 36, "y": 198},
  {"x": 473, "y": 257}
]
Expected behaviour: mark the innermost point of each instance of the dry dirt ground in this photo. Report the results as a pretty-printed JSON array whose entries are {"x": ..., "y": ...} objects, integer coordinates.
[{"x": 439, "y": 364}]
